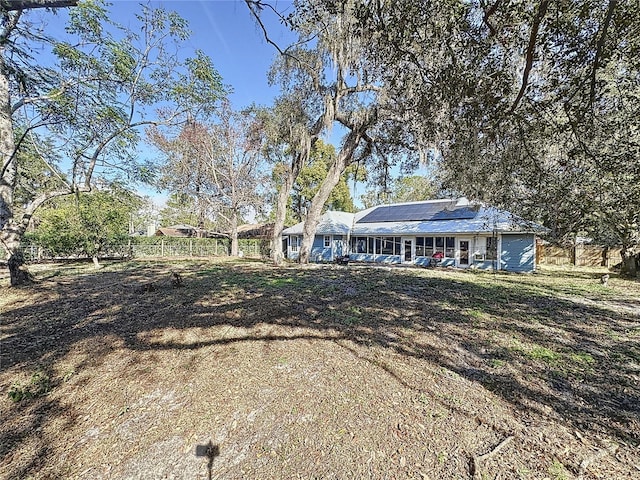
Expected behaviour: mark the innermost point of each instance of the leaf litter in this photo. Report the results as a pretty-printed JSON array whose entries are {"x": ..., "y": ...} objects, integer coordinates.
[{"x": 253, "y": 371}]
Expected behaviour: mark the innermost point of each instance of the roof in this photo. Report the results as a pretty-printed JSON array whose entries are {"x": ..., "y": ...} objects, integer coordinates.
[
  {"x": 426, "y": 217},
  {"x": 421, "y": 211},
  {"x": 484, "y": 220},
  {"x": 177, "y": 231},
  {"x": 182, "y": 230},
  {"x": 255, "y": 230},
  {"x": 332, "y": 222}
]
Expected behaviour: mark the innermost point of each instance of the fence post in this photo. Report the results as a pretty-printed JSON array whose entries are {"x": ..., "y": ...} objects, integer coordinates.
[
  {"x": 190, "y": 247},
  {"x": 162, "y": 248}
]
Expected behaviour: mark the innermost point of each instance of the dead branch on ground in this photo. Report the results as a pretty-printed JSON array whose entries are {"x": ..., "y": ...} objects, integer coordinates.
[{"x": 478, "y": 460}]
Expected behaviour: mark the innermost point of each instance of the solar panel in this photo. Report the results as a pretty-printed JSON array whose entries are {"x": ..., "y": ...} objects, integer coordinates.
[
  {"x": 414, "y": 212},
  {"x": 460, "y": 213}
]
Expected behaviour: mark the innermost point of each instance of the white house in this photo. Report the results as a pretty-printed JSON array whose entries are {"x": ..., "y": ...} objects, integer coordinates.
[{"x": 465, "y": 234}]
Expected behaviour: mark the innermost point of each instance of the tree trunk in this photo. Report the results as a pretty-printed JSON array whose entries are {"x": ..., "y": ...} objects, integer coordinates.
[
  {"x": 7, "y": 148},
  {"x": 234, "y": 234},
  {"x": 605, "y": 257},
  {"x": 10, "y": 233},
  {"x": 18, "y": 273},
  {"x": 96, "y": 261},
  {"x": 342, "y": 161},
  {"x": 629, "y": 263},
  {"x": 297, "y": 163},
  {"x": 277, "y": 255}
]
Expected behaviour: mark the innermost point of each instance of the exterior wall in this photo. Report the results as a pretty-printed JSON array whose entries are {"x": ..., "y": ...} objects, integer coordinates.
[
  {"x": 339, "y": 245},
  {"x": 370, "y": 257},
  {"x": 486, "y": 264},
  {"x": 293, "y": 255},
  {"x": 322, "y": 253},
  {"x": 425, "y": 262},
  {"x": 319, "y": 253},
  {"x": 517, "y": 253},
  {"x": 422, "y": 261},
  {"x": 447, "y": 262}
]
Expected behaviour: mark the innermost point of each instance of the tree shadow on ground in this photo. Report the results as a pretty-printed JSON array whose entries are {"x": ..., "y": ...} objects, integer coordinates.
[{"x": 517, "y": 338}]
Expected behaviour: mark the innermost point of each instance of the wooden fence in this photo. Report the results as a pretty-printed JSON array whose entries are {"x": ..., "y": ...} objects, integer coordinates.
[{"x": 580, "y": 255}]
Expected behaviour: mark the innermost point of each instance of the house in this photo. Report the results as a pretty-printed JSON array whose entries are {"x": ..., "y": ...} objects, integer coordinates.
[
  {"x": 261, "y": 231},
  {"x": 465, "y": 234},
  {"x": 183, "y": 231}
]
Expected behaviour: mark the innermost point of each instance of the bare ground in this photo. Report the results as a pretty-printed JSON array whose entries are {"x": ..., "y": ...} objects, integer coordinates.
[{"x": 251, "y": 371}]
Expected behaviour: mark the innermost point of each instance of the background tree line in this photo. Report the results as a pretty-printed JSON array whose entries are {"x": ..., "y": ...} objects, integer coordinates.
[{"x": 531, "y": 106}]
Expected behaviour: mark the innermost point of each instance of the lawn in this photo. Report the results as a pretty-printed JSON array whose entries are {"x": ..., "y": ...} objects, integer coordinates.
[{"x": 251, "y": 371}]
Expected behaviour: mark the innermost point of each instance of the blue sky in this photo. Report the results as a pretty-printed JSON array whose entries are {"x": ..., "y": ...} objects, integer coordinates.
[{"x": 228, "y": 34}]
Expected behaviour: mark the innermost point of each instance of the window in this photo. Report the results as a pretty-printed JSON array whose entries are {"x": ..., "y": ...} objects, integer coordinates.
[
  {"x": 362, "y": 244},
  {"x": 327, "y": 241},
  {"x": 359, "y": 244},
  {"x": 390, "y": 246},
  {"x": 492, "y": 248},
  {"x": 377, "y": 245},
  {"x": 295, "y": 243},
  {"x": 439, "y": 245},
  {"x": 428, "y": 247},
  {"x": 450, "y": 244},
  {"x": 387, "y": 246}
]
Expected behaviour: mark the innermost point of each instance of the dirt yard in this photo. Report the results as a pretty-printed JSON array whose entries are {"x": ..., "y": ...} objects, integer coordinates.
[{"x": 250, "y": 371}]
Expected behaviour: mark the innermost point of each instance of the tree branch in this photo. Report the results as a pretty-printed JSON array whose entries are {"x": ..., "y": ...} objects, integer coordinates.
[
  {"x": 13, "y": 5},
  {"x": 487, "y": 15},
  {"x": 38, "y": 202},
  {"x": 537, "y": 20},
  {"x": 476, "y": 461},
  {"x": 599, "y": 48},
  {"x": 10, "y": 23},
  {"x": 254, "y": 7}
]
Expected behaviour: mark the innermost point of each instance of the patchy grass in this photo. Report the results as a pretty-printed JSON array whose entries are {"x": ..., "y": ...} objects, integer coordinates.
[
  {"x": 543, "y": 353},
  {"x": 251, "y": 371}
]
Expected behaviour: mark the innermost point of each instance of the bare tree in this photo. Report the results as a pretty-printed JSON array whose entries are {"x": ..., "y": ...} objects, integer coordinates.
[
  {"x": 217, "y": 165},
  {"x": 233, "y": 148}
]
